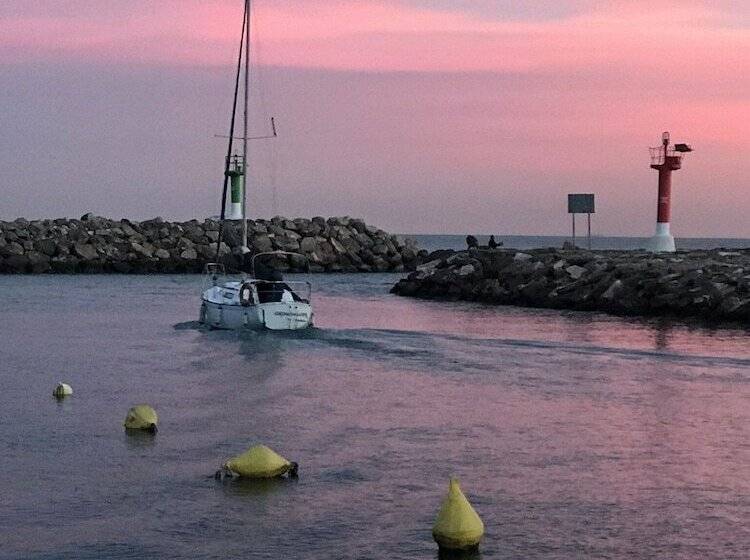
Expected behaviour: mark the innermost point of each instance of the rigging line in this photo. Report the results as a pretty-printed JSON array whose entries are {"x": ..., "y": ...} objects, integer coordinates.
[
  {"x": 231, "y": 139},
  {"x": 245, "y": 173},
  {"x": 272, "y": 179}
]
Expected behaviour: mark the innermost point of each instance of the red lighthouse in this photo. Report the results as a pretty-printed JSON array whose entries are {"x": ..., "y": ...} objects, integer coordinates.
[{"x": 665, "y": 159}]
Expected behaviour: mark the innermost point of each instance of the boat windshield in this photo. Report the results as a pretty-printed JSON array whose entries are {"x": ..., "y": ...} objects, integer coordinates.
[{"x": 269, "y": 292}]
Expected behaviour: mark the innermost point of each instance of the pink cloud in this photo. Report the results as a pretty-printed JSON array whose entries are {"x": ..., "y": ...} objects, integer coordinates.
[{"x": 385, "y": 36}]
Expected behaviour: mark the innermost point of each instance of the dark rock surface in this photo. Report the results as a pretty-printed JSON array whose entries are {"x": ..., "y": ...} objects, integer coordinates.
[
  {"x": 710, "y": 285},
  {"x": 95, "y": 244}
]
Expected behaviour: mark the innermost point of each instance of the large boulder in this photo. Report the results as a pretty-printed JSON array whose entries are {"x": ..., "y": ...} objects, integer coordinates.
[
  {"x": 12, "y": 249},
  {"x": 575, "y": 271},
  {"x": 233, "y": 234},
  {"x": 16, "y": 263},
  {"x": 379, "y": 264},
  {"x": 86, "y": 251},
  {"x": 262, "y": 243},
  {"x": 46, "y": 246},
  {"x": 64, "y": 264},
  {"x": 142, "y": 250},
  {"x": 307, "y": 245},
  {"x": 128, "y": 230},
  {"x": 286, "y": 244},
  {"x": 189, "y": 254},
  {"x": 225, "y": 250},
  {"x": 358, "y": 225},
  {"x": 196, "y": 234},
  {"x": 338, "y": 246},
  {"x": 39, "y": 262}
]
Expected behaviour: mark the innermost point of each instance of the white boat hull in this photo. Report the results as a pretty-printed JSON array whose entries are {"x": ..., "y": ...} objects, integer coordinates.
[{"x": 274, "y": 316}]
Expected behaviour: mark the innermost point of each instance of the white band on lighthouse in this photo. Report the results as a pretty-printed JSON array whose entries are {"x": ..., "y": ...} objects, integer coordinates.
[
  {"x": 662, "y": 241},
  {"x": 235, "y": 211}
]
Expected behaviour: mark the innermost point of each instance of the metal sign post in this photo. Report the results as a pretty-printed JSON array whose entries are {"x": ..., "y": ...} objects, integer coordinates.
[
  {"x": 573, "y": 215},
  {"x": 581, "y": 204}
]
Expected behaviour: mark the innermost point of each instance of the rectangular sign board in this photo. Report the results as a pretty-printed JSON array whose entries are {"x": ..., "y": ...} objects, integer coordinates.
[{"x": 581, "y": 204}]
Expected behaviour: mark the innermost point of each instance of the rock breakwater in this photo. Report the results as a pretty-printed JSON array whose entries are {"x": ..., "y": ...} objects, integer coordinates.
[
  {"x": 94, "y": 244},
  {"x": 712, "y": 285}
]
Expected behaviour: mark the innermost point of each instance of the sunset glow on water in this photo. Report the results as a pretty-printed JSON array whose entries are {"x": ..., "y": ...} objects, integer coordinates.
[{"x": 575, "y": 435}]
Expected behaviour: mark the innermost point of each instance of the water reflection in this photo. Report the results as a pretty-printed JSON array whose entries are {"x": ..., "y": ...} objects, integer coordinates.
[
  {"x": 255, "y": 488},
  {"x": 188, "y": 326},
  {"x": 474, "y": 554},
  {"x": 139, "y": 440},
  {"x": 662, "y": 335},
  {"x": 64, "y": 403},
  {"x": 587, "y": 435}
]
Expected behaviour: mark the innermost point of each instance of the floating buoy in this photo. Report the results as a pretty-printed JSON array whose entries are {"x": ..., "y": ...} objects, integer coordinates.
[
  {"x": 141, "y": 417},
  {"x": 457, "y": 527},
  {"x": 258, "y": 462},
  {"x": 62, "y": 390}
]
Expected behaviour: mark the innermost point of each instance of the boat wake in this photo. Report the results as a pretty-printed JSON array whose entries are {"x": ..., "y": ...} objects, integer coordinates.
[{"x": 188, "y": 326}]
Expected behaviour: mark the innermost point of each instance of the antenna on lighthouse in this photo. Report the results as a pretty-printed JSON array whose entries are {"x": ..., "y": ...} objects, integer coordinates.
[{"x": 665, "y": 159}]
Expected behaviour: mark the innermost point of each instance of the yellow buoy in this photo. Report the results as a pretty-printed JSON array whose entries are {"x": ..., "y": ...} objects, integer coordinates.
[
  {"x": 141, "y": 417},
  {"x": 259, "y": 462},
  {"x": 457, "y": 527},
  {"x": 62, "y": 390}
]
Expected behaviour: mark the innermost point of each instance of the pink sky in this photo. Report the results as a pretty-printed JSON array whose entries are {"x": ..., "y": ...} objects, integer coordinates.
[{"x": 470, "y": 116}]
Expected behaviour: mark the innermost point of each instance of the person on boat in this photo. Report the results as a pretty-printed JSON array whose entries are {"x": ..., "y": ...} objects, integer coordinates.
[
  {"x": 267, "y": 273},
  {"x": 471, "y": 242},
  {"x": 271, "y": 286},
  {"x": 276, "y": 291},
  {"x": 492, "y": 244}
]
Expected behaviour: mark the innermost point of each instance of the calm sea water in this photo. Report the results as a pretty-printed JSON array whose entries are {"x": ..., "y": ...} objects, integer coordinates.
[
  {"x": 457, "y": 242},
  {"x": 575, "y": 435}
]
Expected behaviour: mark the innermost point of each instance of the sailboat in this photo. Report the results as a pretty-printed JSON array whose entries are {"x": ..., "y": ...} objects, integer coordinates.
[{"x": 262, "y": 300}]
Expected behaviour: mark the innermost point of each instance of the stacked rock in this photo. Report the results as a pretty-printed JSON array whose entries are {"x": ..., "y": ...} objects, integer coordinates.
[
  {"x": 710, "y": 285},
  {"x": 94, "y": 244}
]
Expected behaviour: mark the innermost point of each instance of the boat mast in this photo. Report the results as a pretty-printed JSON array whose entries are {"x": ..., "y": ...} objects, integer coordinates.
[
  {"x": 244, "y": 135},
  {"x": 228, "y": 160}
]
